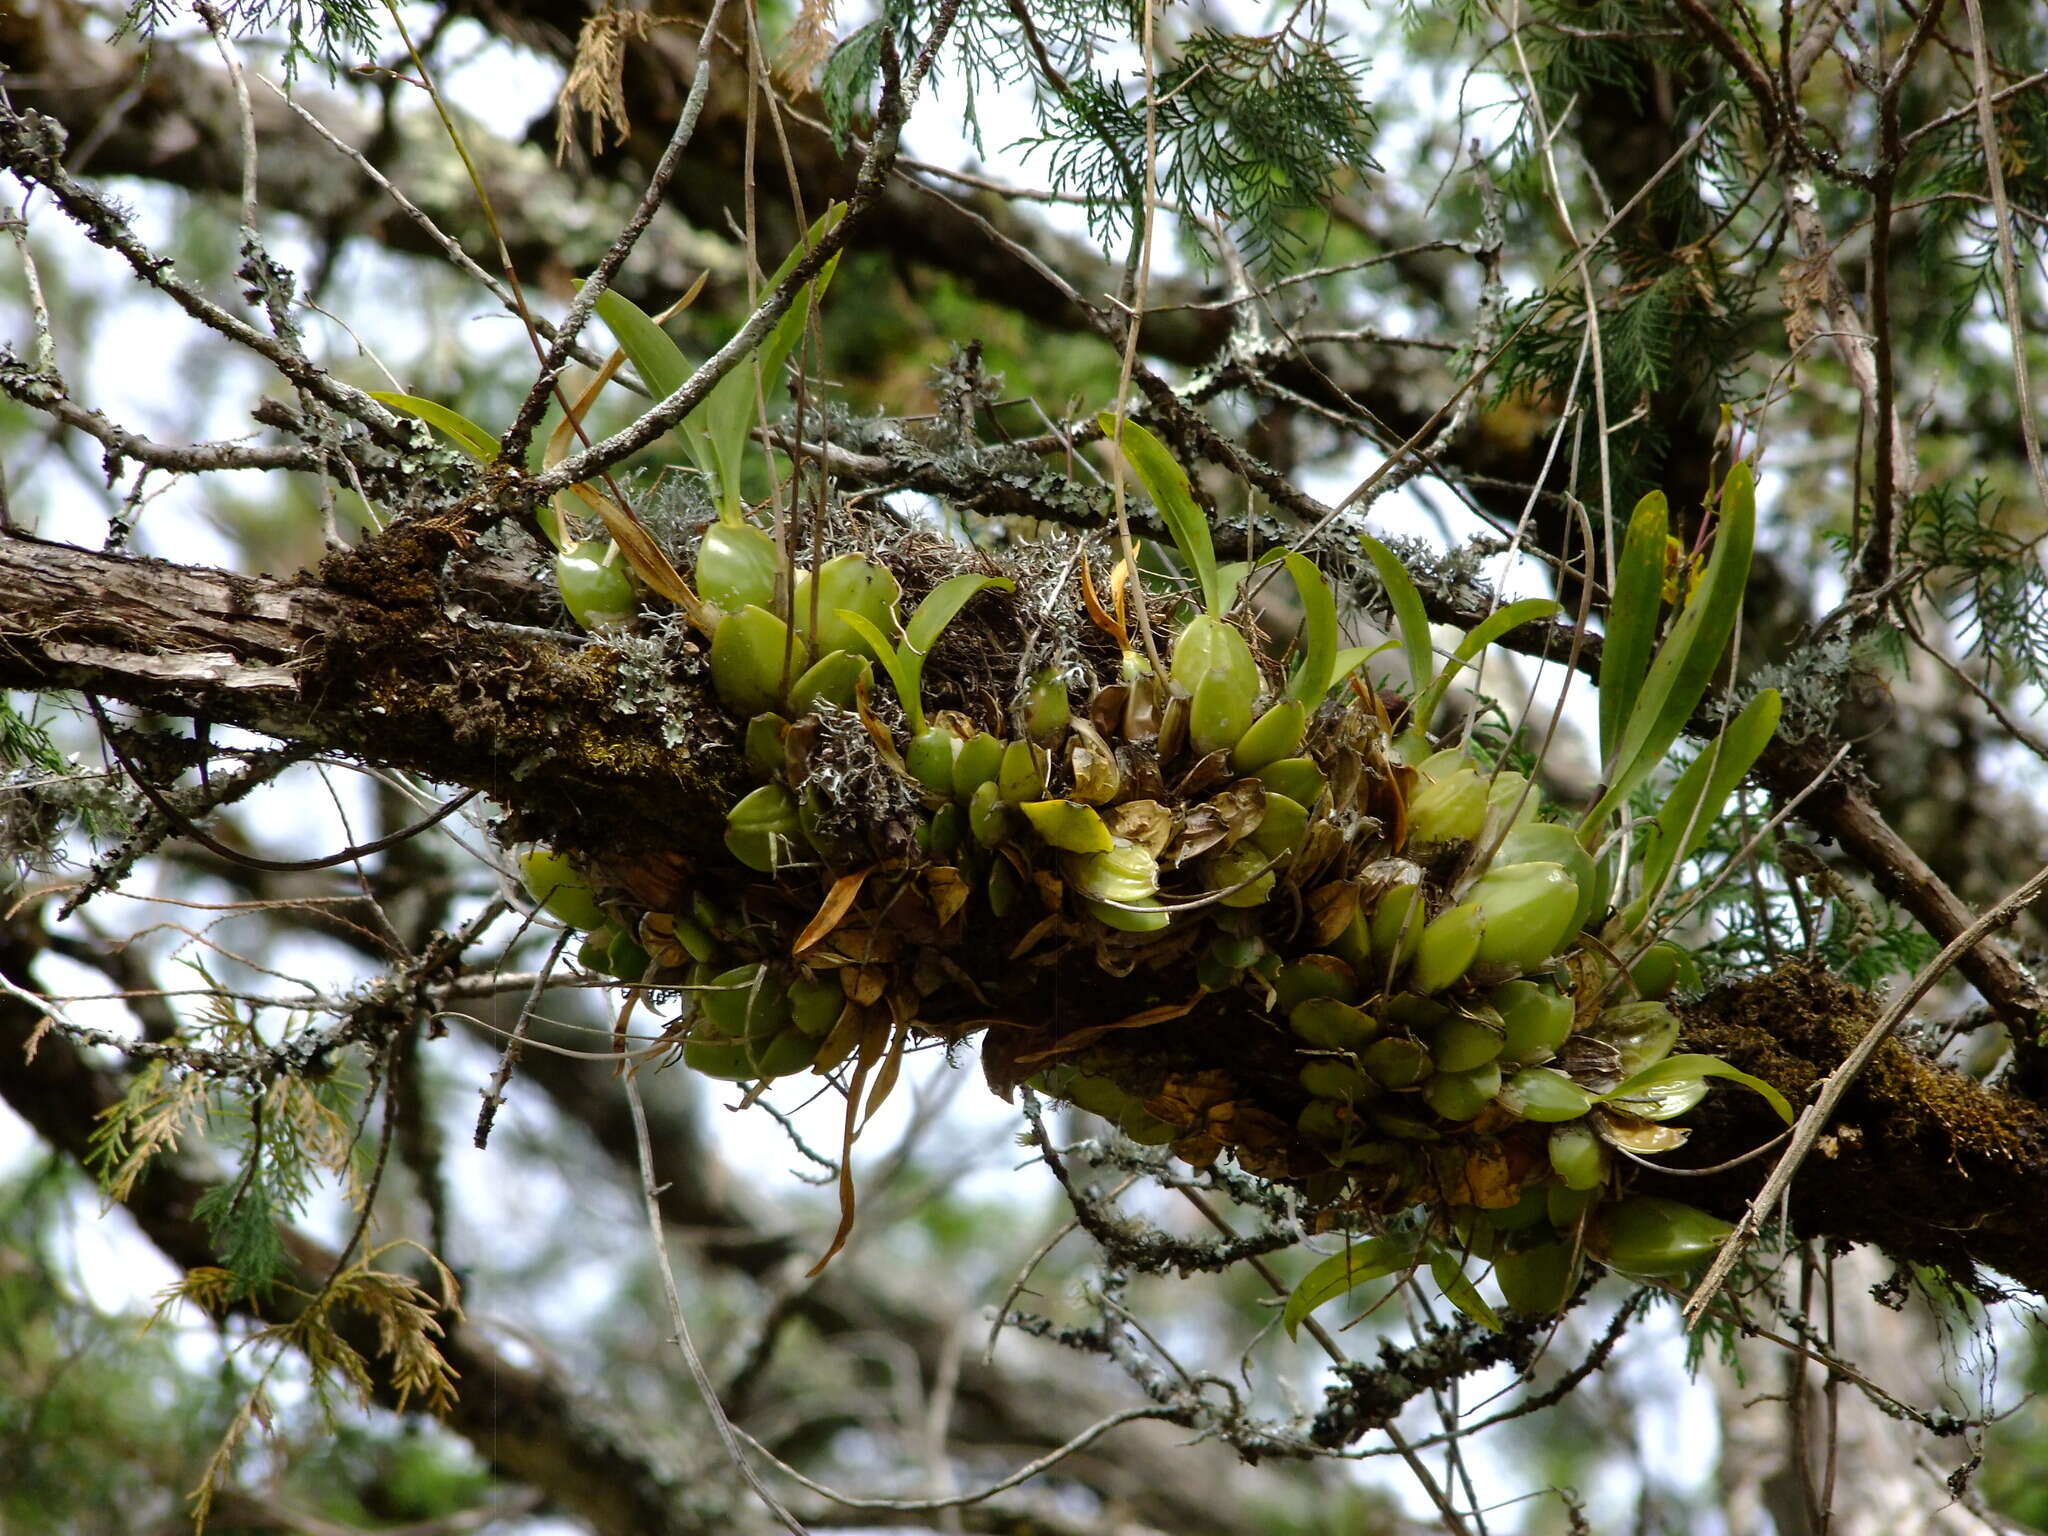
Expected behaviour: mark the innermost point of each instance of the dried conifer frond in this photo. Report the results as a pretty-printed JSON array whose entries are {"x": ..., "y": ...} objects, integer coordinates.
[
  {"x": 809, "y": 44},
  {"x": 596, "y": 83}
]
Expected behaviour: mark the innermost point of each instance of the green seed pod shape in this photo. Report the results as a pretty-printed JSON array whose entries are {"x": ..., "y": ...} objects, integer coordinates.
[
  {"x": 948, "y": 829},
  {"x": 1547, "y": 841},
  {"x": 560, "y": 889},
  {"x": 1396, "y": 925},
  {"x": 764, "y": 745},
  {"x": 1396, "y": 1062},
  {"x": 930, "y": 758},
  {"x": 1578, "y": 1157},
  {"x": 1373, "y": 1154},
  {"x": 1005, "y": 886},
  {"x": 1281, "y": 829},
  {"x": 740, "y": 1002},
  {"x": 759, "y": 830},
  {"x": 1149, "y": 918},
  {"x": 1544, "y": 1095},
  {"x": 748, "y": 657},
  {"x": 980, "y": 759},
  {"x": 1460, "y": 1044},
  {"x": 1662, "y": 969},
  {"x": 1505, "y": 797},
  {"x": 1536, "y": 1020},
  {"x": 1414, "y": 1014},
  {"x": 1525, "y": 1213},
  {"x": 1122, "y": 872},
  {"x": 1230, "y": 869},
  {"x": 1332, "y": 1024},
  {"x": 1047, "y": 710},
  {"x": 790, "y": 1051},
  {"x": 1643, "y": 1235},
  {"x": 1237, "y": 950},
  {"x": 628, "y": 961},
  {"x": 1024, "y": 772},
  {"x": 988, "y": 819},
  {"x": 815, "y": 1004},
  {"x": 726, "y": 1059},
  {"x": 1450, "y": 810},
  {"x": 1354, "y": 945},
  {"x": 1068, "y": 825},
  {"x": 594, "y": 585},
  {"x": 832, "y": 680},
  {"x": 1211, "y": 975},
  {"x": 1642, "y": 1032},
  {"x": 1326, "y": 1119},
  {"x": 1337, "y": 1080},
  {"x": 832, "y": 844},
  {"x": 1447, "y": 949},
  {"x": 696, "y": 942},
  {"x": 595, "y": 952},
  {"x": 1299, "y": 779},
  {"x": 1273, "y": 736},
  {"x": 1214, "y": 662},
  {"x": 1314, "y": 976},
  {"x": 1527, "y": 913},
  {"x": 1535, "y": 1281},
  {"x": 1460, "y": 1096},
  {"x": 1565, "y": 1205},
  {"x": 855, "y": 583},
  {"x": 736, "y": 565},
  {"x": 1406, "y": 1120}
]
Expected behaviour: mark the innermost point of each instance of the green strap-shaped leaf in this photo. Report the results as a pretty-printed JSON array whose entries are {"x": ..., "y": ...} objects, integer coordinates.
[
  {"x": 905, "y": 665},
  {"x": 1410, "y": 618},
  {"x": 1448, "y": 1271},
  {"x": 1678, "y": 1069},
  {"x": 1678, "y": 678},
  {"x": 661, "y": 365},
  {"x": 942, "y": 603},
  {"x": 727, "y": 414},
  {"x": 1372, "y": 1258},
  {"x": 1496, "y": 624},
  {"x": 1352, "y": 657},
  {"x": 1167, "y": 484},
  {"x": 456, "y": 427},
  {"x": 1318, "y": 632},
  {"x": 1632, "y": 618},
  {"x": 1694, "y": 804},
  {"x": 1231, "y": 577},
  {"x": 906, "y": 672}
]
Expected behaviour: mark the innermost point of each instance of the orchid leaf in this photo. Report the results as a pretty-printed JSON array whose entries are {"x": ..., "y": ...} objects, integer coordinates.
[
  {"x": 905, "y": 671},
  {"x": 905, "y": 664},
  {"x": 1352, "y": 657},
  {"x": 1632, "y": 618},
  {"x": 1167, "y": 484},
  {"x": 1694, "y": 805},
  {"x": 1500, "y": 622},
  {"x": 1318, "y": 631},
  {"x": 1448, "y": 1271},
  {"x": 1677, "y": 1069},
  {"x": 942, "y": 603},
  {"x": 1678, "y": 678},
  {"x": 1372, "y": 1258},
  {"x": 451, "y": 424},
  {"x": 1410, "y": 618},
  {"x": 727, "y": 414}
]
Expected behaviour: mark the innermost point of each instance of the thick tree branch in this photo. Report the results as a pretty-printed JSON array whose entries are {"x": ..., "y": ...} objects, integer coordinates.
[{"x": 415, "y": 682}]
